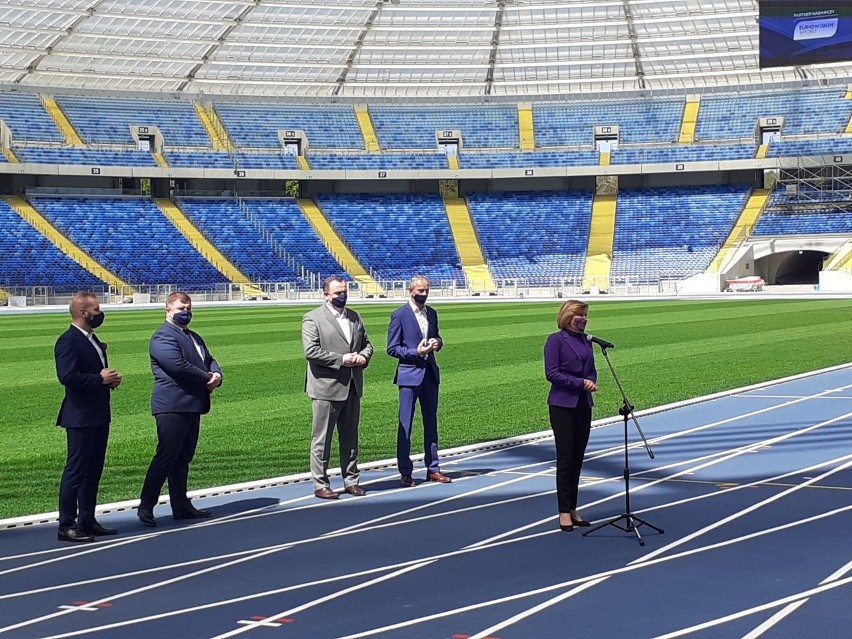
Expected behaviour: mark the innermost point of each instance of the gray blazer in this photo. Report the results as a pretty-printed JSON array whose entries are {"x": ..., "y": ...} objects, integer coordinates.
[{"x": 324, "y": 345}]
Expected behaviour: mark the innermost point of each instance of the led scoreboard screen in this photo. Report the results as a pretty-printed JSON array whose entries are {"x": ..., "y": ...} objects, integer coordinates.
[{"x": 798, "y": 32}]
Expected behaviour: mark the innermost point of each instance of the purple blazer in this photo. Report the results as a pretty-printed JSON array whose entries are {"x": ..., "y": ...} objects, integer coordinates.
[{"x": 568, "y": 360}]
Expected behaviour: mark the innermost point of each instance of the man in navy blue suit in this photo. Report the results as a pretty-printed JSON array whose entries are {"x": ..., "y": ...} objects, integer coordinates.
[
  {"x": 185, "y": 374},
  {"x": 82, "y": 368},
  {"x": 413, "y": 339}
]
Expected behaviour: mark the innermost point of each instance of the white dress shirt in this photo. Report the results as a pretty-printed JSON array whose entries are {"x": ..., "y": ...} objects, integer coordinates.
[{"x": 94, "y": 344}]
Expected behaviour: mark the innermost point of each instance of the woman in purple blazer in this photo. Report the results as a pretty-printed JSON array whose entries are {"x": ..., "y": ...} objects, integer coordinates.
[{"x": 569, "y": 365}]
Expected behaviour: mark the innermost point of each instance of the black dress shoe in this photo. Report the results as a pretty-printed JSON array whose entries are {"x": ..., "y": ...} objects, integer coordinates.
[
  {"x": 565, "y": 528},
  {"x": 191, "y": 513},
  {"x": 407, "y": 481},
  {"x": 73, "y": 534},
  {"x": 355, "y": 490},
  {"x": 96, "y": 529},
  {"x": 579, "y": 522},
  {"x": 146, "y": 517}
]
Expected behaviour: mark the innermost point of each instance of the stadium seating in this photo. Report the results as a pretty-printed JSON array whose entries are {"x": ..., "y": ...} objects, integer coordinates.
[
  {"x": 377, "y": 161},
  {"x": 573, "y": 123},
  {"x": 786, "y": 215},
  {"x": 805, "y": 112},
  {"x": 821, "y": 146},
  {"x": 408, "y": 126},
  {"x": 284, "y": 220},
  {"x": 27, "y": 258},
  {"x": 256, "y": 125},
  {"x": 527, "y": 159},
  {"x": 672, "y": 232},
  {"x": 223, "y": 223},
  {"x": 236, "y": 160},
  {"x": 24, "y": 114},
  {"x": 108, "y": 120},
  {"x": 396, "y": 236},
  {"x": 683, "y": 153},
  {"x": 533, "y": 235},
  {"x": 130, "y": 237},
  {"x": 86, "y": 157}
]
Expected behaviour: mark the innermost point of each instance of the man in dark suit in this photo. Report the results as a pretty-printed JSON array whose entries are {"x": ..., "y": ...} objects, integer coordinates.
[
  {"x": 185, "y": 374},
  {"x": 82, "y": 368},
  {"x": 337, "y": 349},
  {"x": 413, "y": 339}
]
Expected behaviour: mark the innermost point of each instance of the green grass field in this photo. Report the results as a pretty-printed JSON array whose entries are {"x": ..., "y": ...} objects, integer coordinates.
[{"x": 492, "y": 380}]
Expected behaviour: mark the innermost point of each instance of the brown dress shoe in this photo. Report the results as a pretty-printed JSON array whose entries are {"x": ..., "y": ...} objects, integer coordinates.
[
  {"x": 325, "y": 493},
  {"x": 407, "y": 481},
  {"x": 355, "y": 490},
  {"x": 438, "y": 477}
]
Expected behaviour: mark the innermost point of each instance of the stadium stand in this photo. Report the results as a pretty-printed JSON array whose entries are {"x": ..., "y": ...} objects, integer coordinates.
[
  {"x": 256, "y": 125},
  {"x": 86, "y": 157},
  {"x": 223, "y": 223},
  {"x": 24, "y": 114},
  {"x": 27, "y": 258},
  {"x": 521, "y": 160},
  {"x": 409, "y": 126},
  {"x": 414, "y": 234},
  {"x": 821, "y": 146},
  {"x": 672, "y": 232},
  {"x": 108, "y": 120},
  {"x": 799, "y": 222},
  {"x": 535, "y": 234},
  {"x": 373, "y": 161},
  {"x": 131, "y": 237},
  {"x": 283, "y": 219},
  {"x": 683, "y": 153},
  {"x": 234, "y": 160},
  {"x": 640, "y": 121},
  {"x": 805, "y": 111}
]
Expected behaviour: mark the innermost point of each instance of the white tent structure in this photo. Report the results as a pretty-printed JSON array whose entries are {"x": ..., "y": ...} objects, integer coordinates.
[{"x": 389, "y": 48}]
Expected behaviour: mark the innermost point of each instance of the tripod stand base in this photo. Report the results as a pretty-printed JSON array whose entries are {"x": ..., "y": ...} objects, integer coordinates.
[{"x": 627, "y": 523}]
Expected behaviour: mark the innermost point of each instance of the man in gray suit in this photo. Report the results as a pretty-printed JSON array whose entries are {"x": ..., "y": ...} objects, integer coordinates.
[{"x": 337, "y": 349}]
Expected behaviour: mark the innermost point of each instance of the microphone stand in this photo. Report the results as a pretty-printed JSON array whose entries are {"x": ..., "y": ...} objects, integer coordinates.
[{"x": 630, "y": 521}]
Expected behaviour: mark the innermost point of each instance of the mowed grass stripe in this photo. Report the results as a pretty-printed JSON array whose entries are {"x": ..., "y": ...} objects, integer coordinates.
[{"x": 492, "y": 379}]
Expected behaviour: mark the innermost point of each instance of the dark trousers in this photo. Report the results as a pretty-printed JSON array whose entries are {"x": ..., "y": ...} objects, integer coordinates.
[
  {"x": 177, "y": 437},
  {"x": 571, "y": 427},
  {"x": 78, "y": 489},
  {"x": 427, "y": 395}
]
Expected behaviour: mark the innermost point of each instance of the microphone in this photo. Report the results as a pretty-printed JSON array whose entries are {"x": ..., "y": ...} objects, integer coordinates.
[{"x": 600, "y": 342}]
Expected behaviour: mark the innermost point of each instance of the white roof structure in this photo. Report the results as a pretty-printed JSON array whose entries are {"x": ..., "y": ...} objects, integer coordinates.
[{"x": 388, "y": 48}]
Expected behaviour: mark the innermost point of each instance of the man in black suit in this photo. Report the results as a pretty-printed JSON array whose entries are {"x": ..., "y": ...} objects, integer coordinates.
[
  {"x": 82, "y": 368},
  {"x": 185, "y": 375}
]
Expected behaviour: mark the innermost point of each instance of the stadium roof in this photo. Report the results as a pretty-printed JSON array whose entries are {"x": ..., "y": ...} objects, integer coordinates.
[{"x": 387, "y": 48}]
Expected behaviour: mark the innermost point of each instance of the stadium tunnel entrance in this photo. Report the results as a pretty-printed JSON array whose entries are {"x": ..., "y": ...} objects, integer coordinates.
[{"x": 791, "y": 267}]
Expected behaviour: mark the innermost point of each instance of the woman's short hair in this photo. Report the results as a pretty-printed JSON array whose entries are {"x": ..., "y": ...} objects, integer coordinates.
[{"x": 567, "y": 312}]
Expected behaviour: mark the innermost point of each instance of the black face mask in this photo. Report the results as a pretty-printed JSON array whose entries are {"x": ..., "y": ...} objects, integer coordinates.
[
  {"x": 339, "y": 301},
  {"x": 421, "y": 299},
  {"x": 183, "y": 318},
  {"x": 95, "y": 320}
]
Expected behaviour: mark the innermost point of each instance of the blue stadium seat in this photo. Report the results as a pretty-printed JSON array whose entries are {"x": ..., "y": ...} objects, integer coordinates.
[
  {"x": 672, "y": 232},
  {"x": 86, "y": 157},
  {"x": 27, "y": 258},
  {"x": 409, "y": 126},
  {"x": 132, "y": 238},
  {"x": 396, "y": 236},
  {"x": 24, "y": 114},
  {"x": 534, "y": 235},
  {"x": 108, "y": 120},
  {"x": 377, "y": 161}
]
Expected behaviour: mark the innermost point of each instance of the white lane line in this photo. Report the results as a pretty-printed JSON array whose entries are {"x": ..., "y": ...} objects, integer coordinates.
[
  {"x": 565, "y": 584},
  {"x": 455, "y": 553},
  {"x": 756, "y": 506},
  {"x": 791, "y": 608},
  {"x": 484, "y": 634},
  {"x": 756, "y": 609}
]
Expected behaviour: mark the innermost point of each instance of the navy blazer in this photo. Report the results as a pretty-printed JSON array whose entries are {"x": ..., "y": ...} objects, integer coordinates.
[
  {"x": 568, "y": 360},
  {"x": 404, "y": 336},
  {"x": 180, "y": 373},
  {"x": 78, "y": 368}
]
